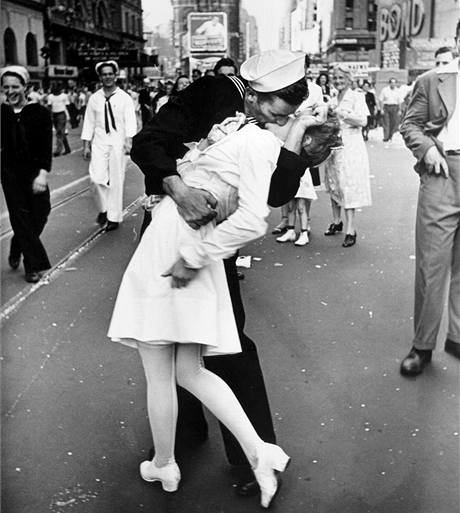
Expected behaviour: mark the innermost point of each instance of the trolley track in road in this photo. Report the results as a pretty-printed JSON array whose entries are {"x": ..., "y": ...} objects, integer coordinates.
[{"x": 54, "y": 206}]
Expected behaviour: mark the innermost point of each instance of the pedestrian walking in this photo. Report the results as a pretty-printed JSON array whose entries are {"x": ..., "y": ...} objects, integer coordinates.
[
  {"x": 347, "y": 170},
  {"x": 72, "y": 108},
  {"x": 431, "y": 130},
  {"x": 155, "y": 149},
  {"x": 26, "y": 139},
  {"x": 58, "y": 102},
  {"x": 108, "y": 129},
  {"x": 371, "y": 103},
  {"x": 390, "y": 102},
  {"x": 323, "y": 82}
]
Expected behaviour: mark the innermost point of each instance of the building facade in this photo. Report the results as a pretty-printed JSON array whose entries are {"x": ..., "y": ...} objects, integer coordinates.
[
  {"x": 410, "y": 31},
  {"x": 63, "y": 39},
  {"x": 352, "y": 34},
  {"x": 23, "y": 35}
]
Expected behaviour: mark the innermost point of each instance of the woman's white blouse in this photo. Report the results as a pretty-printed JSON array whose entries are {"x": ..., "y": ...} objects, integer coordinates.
[
  {"x": 242, "y": 162},
  {"x": 353, "y": 102}
]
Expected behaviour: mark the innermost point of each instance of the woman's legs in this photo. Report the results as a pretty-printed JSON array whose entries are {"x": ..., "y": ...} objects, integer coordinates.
[
  {"x": 350, "y": 221},
  {"x": 289, "y": 235},
  {"x": 335, "y": 211},
  {"x": 303, "y": 208},
  {"x": 159, "y": 368},
  {"x": 217, "y": 396}
]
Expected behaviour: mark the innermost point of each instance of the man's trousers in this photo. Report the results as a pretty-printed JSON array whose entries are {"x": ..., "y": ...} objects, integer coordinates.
[
  {"x": 28, "y": 214},
  {"x": 390, "y": 121},
  {"x": 437, "y": 240},
  {"x": 107, "y": 171}
]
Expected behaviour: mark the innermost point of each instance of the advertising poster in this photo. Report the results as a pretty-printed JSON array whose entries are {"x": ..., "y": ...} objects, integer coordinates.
[{"x": 207, "y": 32}]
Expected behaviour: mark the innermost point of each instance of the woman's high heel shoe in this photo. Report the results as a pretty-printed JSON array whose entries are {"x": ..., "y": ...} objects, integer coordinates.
[
  {"x": 270, "y": 460},
  {"x": 169, "y": 475},
  {"x": 334, "y": 228}
]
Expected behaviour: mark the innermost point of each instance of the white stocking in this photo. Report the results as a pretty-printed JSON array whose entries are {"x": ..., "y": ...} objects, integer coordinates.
[
  {"x": 159, "y": 367},
  {"x": 216, "y": 395}
]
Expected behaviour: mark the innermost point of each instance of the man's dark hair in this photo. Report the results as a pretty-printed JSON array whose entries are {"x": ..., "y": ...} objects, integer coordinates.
[
  {"x": 225, "y": 61},
  {"x": 443, "y": 49},
  {"x": 324, "y": 138},
  {"x": 294, "y": 94}
]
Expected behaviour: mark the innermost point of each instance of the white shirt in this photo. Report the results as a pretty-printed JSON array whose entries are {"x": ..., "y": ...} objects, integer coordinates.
[
  {"x": 450, "y": 133},
  {"x": 244, "y": 159},
  {"x": 389, "y": 96},
  {"x": 58, "y": 102},
  {"x": 35, "y": 97},
  {"x": 123, "y": 113},
  {"x": 353, "y": 103}
]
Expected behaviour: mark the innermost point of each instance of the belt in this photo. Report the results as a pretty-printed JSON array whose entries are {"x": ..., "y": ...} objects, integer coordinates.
[{"x": 453, "y": 152}]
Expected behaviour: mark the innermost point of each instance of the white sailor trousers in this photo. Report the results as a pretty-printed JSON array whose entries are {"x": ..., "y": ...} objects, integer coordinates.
[{"x": 107, "y": 172}]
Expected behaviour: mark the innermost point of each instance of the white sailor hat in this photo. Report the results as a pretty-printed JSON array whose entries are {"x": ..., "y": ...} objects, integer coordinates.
[
  {"x": 107, "y": 63},
  {"x": 19, "y": 71},
  {"x": 274, "y": 69}
]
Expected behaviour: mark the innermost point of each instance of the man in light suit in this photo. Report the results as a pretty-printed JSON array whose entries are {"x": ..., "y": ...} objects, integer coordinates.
[{"x": 431, "y": 130}]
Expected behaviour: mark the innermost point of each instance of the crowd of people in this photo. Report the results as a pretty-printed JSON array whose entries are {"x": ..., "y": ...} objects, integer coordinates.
[{"x": 216, "y": 152}]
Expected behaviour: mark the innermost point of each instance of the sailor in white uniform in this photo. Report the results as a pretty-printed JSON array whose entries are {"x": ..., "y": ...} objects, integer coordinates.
[{"x": 108, "y": 129}]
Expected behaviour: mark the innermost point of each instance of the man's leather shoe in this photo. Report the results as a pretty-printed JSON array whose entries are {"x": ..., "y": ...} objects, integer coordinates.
[
  {"x": 452, "y": 348},
  {"x": 33, "y": 277},
  {"x": 334, "y": 228},
  {"x": 14, "y": 261},
  {"x": 111, "y": 225},
  {"x": 350, "y": 240},
  {"x": 252, "y": 488},
  {"x": 414, "y": 363},
  {"x": 247, "y": 488},
  {"x": 102, "y": 218}
]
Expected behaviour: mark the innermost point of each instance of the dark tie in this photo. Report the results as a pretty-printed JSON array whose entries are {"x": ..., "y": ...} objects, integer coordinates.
[{"x": 108, "y": 112}]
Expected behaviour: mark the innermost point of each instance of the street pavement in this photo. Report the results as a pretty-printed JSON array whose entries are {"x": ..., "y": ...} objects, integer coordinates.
[{"x": 331, "y": 324}]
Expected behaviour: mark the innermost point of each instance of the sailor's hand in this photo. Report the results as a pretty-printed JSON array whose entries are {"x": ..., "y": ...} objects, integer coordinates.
[{"x": 196, "y": 206}]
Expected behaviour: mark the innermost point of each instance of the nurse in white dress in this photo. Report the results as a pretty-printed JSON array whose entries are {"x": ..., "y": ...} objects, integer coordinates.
[
  {"x": 108, "y": 128},
  {"x": 347, "y": 170},
  {"x": 174, "y": 321}
]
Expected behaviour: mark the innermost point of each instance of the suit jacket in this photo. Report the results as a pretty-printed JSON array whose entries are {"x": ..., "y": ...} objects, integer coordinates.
[{"x": 431, "y": 105}]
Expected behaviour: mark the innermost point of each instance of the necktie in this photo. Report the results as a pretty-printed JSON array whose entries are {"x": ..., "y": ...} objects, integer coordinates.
[{"x": 108, "y": 112}]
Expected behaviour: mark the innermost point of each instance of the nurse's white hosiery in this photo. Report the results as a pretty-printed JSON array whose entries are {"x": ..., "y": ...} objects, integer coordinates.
[
  {"x": 163, "y": 365},
  {"x": 159, "y": 368},
  {"x": 217, "y": 396}
]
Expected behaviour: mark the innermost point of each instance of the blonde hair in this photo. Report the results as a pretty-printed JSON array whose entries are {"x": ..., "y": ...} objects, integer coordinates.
[{"x": 343, "y": 68}]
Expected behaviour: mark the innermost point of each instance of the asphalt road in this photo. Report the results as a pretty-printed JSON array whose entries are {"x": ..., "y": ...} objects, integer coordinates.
[{"x": 331, "y": 325}]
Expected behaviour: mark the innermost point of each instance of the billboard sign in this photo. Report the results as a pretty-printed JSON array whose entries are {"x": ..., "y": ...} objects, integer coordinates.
[{"x": 207, "y": 32}]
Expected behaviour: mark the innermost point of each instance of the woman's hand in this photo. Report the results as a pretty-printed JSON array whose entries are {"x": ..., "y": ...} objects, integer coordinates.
[
  {"x": 41, "y": 182},
  {"x": 181, "y": 275}
]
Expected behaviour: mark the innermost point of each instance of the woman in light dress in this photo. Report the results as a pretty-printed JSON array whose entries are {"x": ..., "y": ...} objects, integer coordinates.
[
  {"x": 347, "y": 169},
  {"x": 174, "y": 304}
]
